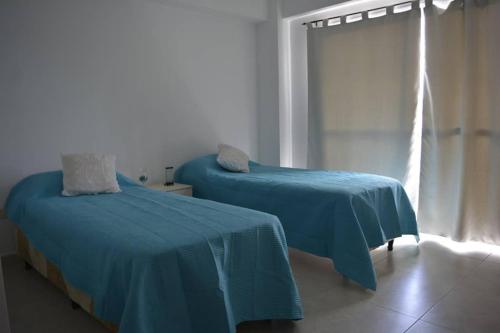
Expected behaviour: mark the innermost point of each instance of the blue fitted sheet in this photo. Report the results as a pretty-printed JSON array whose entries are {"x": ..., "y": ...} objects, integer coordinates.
[
  {"x": 157, "y": 262},
  {"x": 335, "y": 214}
]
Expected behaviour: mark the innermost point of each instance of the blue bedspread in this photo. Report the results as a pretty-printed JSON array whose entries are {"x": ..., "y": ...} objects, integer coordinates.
[
  {"x": 156, "y": 262},
  {"x": 340, "y": 215}
]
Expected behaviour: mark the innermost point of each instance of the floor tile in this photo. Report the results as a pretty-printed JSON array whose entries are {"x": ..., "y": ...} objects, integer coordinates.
[
  {"x": 413, "y": 284},
  {"x": 421, "y": 288},
  {"x": 314, "y": 275},
  {"x": 485, "y": 278},
  {"x": 468, "y": 249},
  {"x": 367, "y": 319},
  {"x": 415, "y": 300},
  {"x": 379, "y": 253},
  {"x": 494, "y": 258},
  {"x": 426, "y": 265},
  {"x": 373, "y": 319},
  {"x": 467, "y": 310},
  {"x": 423, "y": 327}
]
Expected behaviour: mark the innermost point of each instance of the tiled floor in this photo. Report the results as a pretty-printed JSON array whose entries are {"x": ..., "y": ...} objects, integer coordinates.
[{"x": 425, "y": 288}]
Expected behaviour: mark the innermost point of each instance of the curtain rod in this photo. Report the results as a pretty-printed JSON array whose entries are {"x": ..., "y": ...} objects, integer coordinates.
[{"x": 364, "y": 13}]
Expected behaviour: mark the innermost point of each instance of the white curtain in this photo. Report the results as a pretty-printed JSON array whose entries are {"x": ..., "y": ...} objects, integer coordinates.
[
  {"x": 460, "y": 170},
  {"x": 363, "y": 82}
]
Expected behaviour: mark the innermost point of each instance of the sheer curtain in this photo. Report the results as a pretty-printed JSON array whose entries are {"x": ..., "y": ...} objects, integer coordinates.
[
  {"x": 363, "y": 81},
  {"x": 368, "y": 90},
  {"x": 460, "y": 170}
]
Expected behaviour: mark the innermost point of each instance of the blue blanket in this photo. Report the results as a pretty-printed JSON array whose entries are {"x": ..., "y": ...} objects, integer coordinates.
[
  {"x": 156, "y": 262},
  {"x": 340, "y": 215}
]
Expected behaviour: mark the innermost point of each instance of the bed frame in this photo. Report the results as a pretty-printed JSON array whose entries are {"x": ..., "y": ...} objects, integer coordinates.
[{"x": 34, "y": 259}]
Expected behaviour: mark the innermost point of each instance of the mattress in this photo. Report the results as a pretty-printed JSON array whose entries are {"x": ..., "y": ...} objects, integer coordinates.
[
  {"x": 335, "y": 214},
  {"x": 151, "y": 261}
]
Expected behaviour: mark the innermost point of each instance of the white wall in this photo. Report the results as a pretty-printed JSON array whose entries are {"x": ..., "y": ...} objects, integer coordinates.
[
  {"x": 298, "y": 86},
  {"x": 268, "y": 37},
  {"x": 298, "y": 7},
  {"x": 285, "y": 39},
  {"x": 275, "y": 40},
  {"x": 153, "y": 83},
  {"x": 252, "y": 10}
]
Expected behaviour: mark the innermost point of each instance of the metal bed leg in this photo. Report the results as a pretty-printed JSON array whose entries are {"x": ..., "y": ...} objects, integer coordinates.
[
  {"x": 390, "y": 245},
  {"x": 27, "y": 266}
]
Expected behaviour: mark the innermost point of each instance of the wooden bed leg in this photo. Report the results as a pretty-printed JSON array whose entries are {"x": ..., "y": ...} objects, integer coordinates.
[
  {"x": 75, "y": 305},
  {"x": 390, "y": 245},
  {"x": 27, "y": 266}
]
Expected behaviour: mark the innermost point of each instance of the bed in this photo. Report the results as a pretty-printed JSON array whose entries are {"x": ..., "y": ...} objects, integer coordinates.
[
  {"x": 335, "y": 214},
  {"x": 148, "y": 261}
]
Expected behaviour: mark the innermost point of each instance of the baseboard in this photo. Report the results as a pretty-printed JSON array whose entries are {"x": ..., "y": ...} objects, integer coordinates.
[{"x": 5, "y": 254}]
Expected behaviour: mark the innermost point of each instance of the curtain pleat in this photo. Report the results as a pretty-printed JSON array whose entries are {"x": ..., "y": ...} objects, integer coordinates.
[
  {"x": 460, "y": 183},
  {"x": 363, "y": 87},
  {"x": 363, "y": 79}
]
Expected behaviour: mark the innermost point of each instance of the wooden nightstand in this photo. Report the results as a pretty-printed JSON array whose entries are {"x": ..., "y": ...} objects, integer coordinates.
[{"x": 178, "y": 188}]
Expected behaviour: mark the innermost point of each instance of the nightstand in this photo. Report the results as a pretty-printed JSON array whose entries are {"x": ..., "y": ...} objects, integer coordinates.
[{"x": 177, "y": 188}]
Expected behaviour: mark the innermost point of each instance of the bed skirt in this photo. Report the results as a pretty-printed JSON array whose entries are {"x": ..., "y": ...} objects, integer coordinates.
[{"x": 38, "y": 261}]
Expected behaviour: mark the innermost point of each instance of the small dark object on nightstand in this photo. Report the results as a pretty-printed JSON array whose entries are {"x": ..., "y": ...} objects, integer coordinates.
[{"x": 169, "y": 176}]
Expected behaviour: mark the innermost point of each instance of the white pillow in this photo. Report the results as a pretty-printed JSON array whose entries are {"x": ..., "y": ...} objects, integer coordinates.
[
  {"x": 89, "y": 174},
  {"x": 232, "y": 159}
]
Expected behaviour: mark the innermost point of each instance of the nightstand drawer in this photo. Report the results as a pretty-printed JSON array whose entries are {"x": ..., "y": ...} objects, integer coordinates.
[
  {"x": 177, "y": 188},
  {"x": 188, "y": 192}
]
